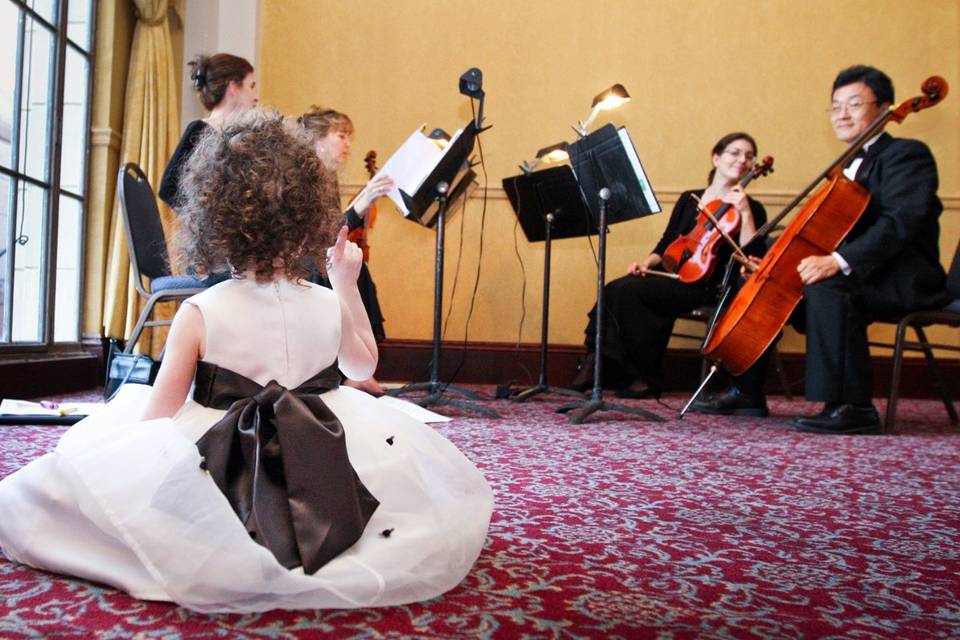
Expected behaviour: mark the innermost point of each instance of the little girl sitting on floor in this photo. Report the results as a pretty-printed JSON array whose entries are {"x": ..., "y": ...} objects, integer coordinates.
[{"x": 245, "y": 479}]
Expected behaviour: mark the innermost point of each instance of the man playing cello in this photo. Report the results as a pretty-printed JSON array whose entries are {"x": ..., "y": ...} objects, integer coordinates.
[{"x": 889, "y": 264}]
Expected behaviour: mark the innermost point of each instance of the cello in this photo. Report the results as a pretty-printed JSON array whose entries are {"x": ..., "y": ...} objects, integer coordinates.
[
  {"x": 693, "y": 256},
  {"x": 359, "y": 235},
  {"x": 761, "y": 308}
]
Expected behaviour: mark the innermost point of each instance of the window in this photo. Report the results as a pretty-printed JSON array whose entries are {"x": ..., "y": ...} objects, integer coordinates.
[{"x": 45, "y": 80}]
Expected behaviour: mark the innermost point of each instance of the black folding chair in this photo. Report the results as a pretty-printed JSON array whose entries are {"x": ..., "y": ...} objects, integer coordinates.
[
  {"x": 148, "y": 250},
  {"x": 948, "y": 315}
]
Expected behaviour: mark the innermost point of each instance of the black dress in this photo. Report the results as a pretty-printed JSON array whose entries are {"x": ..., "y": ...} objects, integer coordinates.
[
  {"x": 641, "y": 311},
  {"x": 169, "y": 190}
]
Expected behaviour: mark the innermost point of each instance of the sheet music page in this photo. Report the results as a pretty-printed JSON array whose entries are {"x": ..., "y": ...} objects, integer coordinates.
[
  {"x": 638, "y": 169},
  {"x": 10, "y": 406},
  {"x": 409, "y": 166}
]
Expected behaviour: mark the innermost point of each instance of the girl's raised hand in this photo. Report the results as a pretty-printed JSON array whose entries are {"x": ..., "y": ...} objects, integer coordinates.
[{"x": 343, "y": 261}]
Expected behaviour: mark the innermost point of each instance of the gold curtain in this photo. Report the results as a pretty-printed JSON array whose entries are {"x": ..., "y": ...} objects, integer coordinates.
[{"x": 151, "y": 129}]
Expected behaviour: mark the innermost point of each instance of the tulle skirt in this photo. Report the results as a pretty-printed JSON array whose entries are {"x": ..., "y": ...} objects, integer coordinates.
[{"x": 126, "y": 503}]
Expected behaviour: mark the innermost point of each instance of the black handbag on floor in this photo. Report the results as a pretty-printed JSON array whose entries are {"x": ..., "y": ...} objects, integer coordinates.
[{"x": 137, "y": 368}]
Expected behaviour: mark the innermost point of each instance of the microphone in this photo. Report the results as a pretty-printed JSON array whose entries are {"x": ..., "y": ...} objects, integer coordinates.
[{"x": 605, "y": 194}]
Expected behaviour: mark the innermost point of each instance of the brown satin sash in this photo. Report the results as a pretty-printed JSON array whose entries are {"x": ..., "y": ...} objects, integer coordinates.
[{"x": 280, "y": 458}]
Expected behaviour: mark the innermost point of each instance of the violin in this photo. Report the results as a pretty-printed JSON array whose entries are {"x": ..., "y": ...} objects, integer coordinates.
[
  {"x": 693, "y": 256},
  {"x": 359, "y": 235},
  {"x": 761, "y": 308}
]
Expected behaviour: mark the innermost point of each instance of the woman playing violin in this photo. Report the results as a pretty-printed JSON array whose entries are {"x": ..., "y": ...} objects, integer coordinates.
[
  {"x": 642, "y": 306},
  {"x": 331, "y": 131}
]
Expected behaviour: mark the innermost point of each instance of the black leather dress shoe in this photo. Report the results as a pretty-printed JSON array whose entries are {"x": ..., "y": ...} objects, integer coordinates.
[
  {"x": 732, "y": 403},
  {"x": 846, "y": 419},
  {"x": 638, "y": 390}
]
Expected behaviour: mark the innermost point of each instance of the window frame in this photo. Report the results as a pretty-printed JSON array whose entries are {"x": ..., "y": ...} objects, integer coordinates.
[{"x": 51, "y": 182}]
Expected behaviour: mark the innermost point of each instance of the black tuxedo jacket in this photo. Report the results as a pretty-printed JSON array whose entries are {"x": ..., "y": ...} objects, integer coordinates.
[{"x": 893, "y": 249}]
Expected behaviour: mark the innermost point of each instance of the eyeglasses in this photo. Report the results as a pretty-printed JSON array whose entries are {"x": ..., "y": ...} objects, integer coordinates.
[
  {"x": 736, "y": 153},
  {"x": 853, "y": 105}
]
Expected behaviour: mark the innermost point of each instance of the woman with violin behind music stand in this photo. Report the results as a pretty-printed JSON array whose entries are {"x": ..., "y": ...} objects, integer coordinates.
[
  {"x": 888, "y": 265},
  {"x": 331, "y": 132},
  {"x": 642, "y": 306}
]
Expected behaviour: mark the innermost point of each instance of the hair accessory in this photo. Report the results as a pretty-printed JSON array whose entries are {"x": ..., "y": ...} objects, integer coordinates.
[{"x": 199, "y": 79}]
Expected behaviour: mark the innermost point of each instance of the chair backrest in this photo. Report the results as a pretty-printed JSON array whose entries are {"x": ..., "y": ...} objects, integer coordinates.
[
  {"x": 141, "y": 216},
  {"x": 953, "y": 276}
]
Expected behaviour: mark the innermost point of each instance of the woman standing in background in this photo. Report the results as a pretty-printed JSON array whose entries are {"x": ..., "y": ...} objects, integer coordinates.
[{"x": 331, "y": 131}]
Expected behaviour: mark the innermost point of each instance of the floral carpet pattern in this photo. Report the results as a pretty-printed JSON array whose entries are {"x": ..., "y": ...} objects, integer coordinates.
[{"x": 709, "y": 527}]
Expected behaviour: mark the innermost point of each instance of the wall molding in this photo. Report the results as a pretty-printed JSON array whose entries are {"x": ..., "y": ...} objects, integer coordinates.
[
  {"x": 106, "y": 137},
  {"x": 776, "y": 198}
]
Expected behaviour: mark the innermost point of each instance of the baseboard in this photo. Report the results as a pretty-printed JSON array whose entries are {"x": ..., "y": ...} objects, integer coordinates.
[
  {"x": 28, "y": 376},
  {"x": 479, "y": 363},
  {"x": 519, "y": 366}
]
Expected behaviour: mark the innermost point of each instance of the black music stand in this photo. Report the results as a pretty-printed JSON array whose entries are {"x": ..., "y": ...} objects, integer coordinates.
[
  {"x": 609, "y": 171},
  {"x": 548, "y": 205},
  {"x": 452, "y": 169}
]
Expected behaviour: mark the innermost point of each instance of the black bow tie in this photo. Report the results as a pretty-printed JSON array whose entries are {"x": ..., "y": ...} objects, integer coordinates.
[{"x": 861, "y": 153}]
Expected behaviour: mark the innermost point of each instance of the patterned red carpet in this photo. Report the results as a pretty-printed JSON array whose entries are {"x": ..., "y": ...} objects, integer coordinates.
[{"x": 701, "y": 528}]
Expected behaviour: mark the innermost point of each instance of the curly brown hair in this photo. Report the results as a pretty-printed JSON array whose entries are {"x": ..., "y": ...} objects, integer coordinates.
[{"x": 257, "y": 198}]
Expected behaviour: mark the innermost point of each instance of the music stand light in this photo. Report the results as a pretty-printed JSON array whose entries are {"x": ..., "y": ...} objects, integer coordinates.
[
  {"x": 608, "y": 99},
  {"x": 554, "y": 153},
  {"x": 440, "y": 137},
  {"x": 548, "y": 155}
]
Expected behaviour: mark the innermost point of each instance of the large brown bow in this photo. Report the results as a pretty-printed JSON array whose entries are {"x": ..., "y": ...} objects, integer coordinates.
[{"x": 280, "y": 458}]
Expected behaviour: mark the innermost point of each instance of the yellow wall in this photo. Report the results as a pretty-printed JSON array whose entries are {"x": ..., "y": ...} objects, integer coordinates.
[{"x": 696, "y": 69}]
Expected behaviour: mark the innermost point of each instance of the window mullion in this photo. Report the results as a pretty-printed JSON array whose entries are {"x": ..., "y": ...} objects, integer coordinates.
[
  {"x": 28, "y": 10},
  {"x": 85, "y": 180},
  {"x": 55, "y": 127},
  {"x": 14, "y": 197}
]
